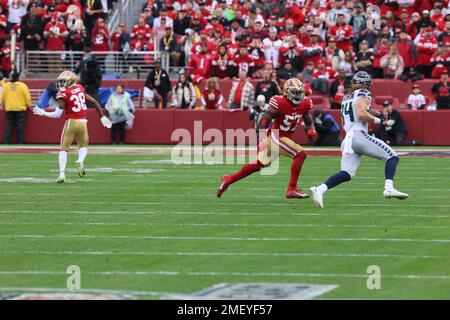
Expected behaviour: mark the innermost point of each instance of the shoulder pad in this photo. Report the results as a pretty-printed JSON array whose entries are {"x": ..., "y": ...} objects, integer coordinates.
[
  {"x": 273, "y": 102},
  {"x": 364, "y": 93}
]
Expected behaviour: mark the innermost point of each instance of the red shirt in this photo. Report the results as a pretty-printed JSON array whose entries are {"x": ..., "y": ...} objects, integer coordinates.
[
  {"x": 212, "y": 98},
  {"x": 145, "y": 30},
  {"x": 425, "y": 49},
  {"x": 243, "y": 62},
  {"x": 200, "y": 64},
  {"x": 5, "y": 54},
  {"x": 289, "y": 114},
  {"x": 238, "y": 93},
  {"x": 100, "y": 40},
  {"x": 343, "y": 34},
  {"x": 54, "y": 42},
  {"x": 75, "y": 102}
]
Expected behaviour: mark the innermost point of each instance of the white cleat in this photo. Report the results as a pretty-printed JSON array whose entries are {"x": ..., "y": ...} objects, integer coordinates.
[
  {"x": 388, "y": 194},
  {"x": 317, "y": 197},
  {"x": 61, "y": 178},
  {"x": 80, "y": 168}
]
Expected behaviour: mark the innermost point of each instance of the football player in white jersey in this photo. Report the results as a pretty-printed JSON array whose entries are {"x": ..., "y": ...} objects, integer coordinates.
[{"x": 356, "y": 117}]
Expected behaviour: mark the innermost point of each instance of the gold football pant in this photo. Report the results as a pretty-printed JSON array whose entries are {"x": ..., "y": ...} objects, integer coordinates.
[
  {"x": 74, "y": 129},
  {"x": 276, "y": 146}
]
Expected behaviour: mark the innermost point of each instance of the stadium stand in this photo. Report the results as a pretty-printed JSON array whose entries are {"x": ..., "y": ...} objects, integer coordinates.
[{"x": 309, "y": 39}]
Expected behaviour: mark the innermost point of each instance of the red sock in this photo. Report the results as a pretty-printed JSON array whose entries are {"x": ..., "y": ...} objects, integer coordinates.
[
  {"x": 246, "y": 170},
  {"x": 296, "y": 168}
]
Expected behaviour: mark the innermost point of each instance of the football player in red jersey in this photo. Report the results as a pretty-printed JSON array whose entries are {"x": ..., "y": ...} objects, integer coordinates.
[
  {"x": 285, "y": 111},
  {"x": 72, "y": 100}
]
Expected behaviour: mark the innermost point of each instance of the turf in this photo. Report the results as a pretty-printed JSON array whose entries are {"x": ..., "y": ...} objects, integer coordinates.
[{"x": 158, "y": 227}]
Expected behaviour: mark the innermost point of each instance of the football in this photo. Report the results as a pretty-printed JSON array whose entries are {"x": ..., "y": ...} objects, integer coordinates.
[{"x": 374, "y": 112}]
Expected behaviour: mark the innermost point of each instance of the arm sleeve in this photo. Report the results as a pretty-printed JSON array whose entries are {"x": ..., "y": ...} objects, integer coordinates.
[{"x": 55, "y": 114}]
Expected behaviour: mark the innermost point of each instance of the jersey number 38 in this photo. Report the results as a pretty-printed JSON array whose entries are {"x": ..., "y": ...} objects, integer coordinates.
[{"x": 80, "y": 102}]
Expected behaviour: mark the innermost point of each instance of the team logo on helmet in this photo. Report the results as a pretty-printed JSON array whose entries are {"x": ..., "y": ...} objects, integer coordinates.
[
  {"x": 362, "y": 77},
  {"x": 66, "y": 80},
  {"x": 294, "y": 90}
]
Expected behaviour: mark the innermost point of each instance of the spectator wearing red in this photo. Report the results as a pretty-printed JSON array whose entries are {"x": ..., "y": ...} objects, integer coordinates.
[
  {"x": 3, "y": 26},
  {"x": 407, "y": 49},
  {"x": 439, "y": 62},
  {"x": 212, "y": 97},
  {"x": 259, "y": 31},
  {"x": 313, "y": 51},
  {"x": 200, "y": 64},
  {"x": 257, "y": 55},
  {"x": 222, "y": 63},
  {"x": 77, "y": 37},
  {"x": 55, "y": 32},
  {"x": 295, "y": 13},
  {"x": 342, "y": 32},
  {"x": 381, "y": 50},
  {"x": 196, "y": 47},
  {"x": 5, "y": 58},
  {"x": 324, "y": 72},
  {"x": 441, "y": 92},
  {"x": 141, "y": 27},
  {"x": 288, "y": 30},
  {"x": 337, "y": 89},
  {"x": 426, "y": 46},
  {"x": 141, "y": 43},
  {"x": 437, "y": 17},
  {"x": 315, "y": 10},
  {"x": 100, "y": 36},
  {"x": 243, "y": 62},
  {"x": 445, "y": 35}
]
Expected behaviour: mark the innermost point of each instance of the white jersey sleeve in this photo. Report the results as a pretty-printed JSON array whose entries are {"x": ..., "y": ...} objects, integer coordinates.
[{"x": 348, "y": 110}]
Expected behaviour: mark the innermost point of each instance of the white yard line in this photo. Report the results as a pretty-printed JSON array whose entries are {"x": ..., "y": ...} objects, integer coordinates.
[
  {"x": 94, "y": 291},
  {"x": 293, "y": 203},
  {"x": 232, "y": 225},
  {"x": 230, "y": 274},
  {"x": 186, "y": 238},
  {"x": 224, "y": 213},
  {"x": 226, "y": 254}
]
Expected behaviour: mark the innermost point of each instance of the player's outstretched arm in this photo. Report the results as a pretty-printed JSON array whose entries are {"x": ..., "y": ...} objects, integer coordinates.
[
  {"x": 91, "y": 102},
  {"x": 57, "y": 113},
  {"x": 362, "y": 107},
  {"x": 267, "y": 118}
]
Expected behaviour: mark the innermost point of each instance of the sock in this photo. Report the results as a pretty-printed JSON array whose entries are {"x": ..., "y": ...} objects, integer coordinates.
[
  {"x": 388, "y": 184},
  {"x": 390, "y": 168},
  {"x": 322, "y": 188},
  {"x": 296, "y": 168},
  {"x": 337, "y": 179},
  {"x": 62, "y": 161},
  {"x": 246, "y": 170},
  {"x": 82, "y": 153}
]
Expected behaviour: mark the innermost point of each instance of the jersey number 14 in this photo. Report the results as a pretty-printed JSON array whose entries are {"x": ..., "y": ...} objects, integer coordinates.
[
  {"x": 347, "y": 109},
  {"x": 80, "y": 102}
]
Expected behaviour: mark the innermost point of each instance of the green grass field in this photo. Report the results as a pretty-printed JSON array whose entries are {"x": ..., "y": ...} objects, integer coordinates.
[{"x": 136, "y": 223}]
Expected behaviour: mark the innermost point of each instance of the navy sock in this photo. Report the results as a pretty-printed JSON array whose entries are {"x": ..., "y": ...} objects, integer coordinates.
[
  {"x": 391, "y": 166},
  {"x": 338, "y": 178}
]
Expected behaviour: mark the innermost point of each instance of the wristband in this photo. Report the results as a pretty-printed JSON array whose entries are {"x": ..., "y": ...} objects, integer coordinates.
[{"x": 377, "y": 121}]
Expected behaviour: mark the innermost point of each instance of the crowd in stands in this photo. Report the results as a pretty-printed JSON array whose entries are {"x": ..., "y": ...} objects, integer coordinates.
[{"x": 318, "y": 41}]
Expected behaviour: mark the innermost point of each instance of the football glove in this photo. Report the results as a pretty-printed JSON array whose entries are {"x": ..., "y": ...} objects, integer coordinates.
[
  {"x": 106, "y": 122},
  {"x": 311, "y": 133},
  {"x": 38, "y": 111},
  {"x": 382, "y": 117}
]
